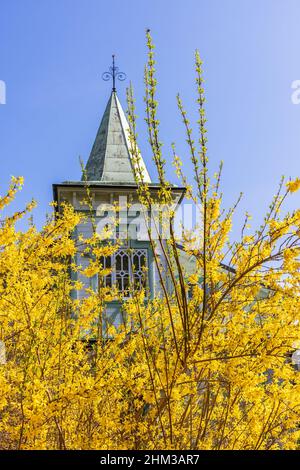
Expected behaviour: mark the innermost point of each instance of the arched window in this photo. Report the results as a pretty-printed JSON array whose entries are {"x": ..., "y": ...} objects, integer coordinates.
[{"x": 128, "y": 269}]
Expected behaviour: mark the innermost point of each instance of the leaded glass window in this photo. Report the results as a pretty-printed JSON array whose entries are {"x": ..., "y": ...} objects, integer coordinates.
[{"x": 128, "y": 269}]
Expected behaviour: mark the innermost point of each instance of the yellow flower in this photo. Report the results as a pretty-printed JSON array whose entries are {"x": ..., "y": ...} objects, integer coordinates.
[
  {"x": 293, "y": 186},
  {"x": 194, "y": 279}
]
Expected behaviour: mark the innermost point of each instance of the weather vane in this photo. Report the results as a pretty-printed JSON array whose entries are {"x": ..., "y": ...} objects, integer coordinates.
[{"x": 113, "y": 73}]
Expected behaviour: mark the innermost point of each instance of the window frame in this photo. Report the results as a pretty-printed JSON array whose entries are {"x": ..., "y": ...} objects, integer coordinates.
[{"x": 129, "y": 272}]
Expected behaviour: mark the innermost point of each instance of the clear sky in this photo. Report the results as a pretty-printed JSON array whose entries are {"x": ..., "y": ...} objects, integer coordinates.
[{"x": 53, "y": 52}]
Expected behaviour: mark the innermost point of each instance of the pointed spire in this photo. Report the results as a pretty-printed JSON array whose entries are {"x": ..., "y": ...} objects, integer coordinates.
[{"x": 110, "y": 159}]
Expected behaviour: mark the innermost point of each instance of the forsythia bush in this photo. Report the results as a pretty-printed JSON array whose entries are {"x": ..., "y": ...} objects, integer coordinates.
[{"x": 204, "y": 366}]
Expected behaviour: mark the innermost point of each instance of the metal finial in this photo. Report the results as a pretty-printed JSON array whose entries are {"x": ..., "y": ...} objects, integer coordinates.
[{"x": 113, "y": 73}]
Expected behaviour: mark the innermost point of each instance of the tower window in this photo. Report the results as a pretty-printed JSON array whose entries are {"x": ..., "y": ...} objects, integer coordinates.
[{"x": 128, "y": 269}]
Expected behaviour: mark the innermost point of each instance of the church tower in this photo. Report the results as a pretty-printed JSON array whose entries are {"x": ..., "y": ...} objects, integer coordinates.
[{"x": 110, "y": 176}]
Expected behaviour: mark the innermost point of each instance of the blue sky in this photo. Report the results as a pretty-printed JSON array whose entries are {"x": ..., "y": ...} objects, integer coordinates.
[{"x": 53, "y": 52}]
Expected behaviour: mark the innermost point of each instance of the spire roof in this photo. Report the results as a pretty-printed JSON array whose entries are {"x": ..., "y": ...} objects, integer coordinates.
[{"x": 110, "y": 159}]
